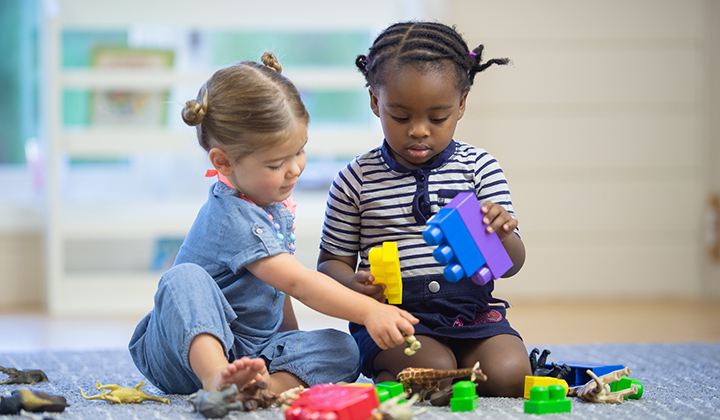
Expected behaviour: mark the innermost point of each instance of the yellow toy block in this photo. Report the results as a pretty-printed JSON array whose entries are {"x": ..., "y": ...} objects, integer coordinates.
[
  {"x": 385, "y": 267},
  {"x": 546, "y": 381}
]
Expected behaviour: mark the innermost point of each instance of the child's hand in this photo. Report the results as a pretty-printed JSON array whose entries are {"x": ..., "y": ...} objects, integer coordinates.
[
  {"x": 498, "y": 220},
  {"x": 387, "y": 325},
  {"x": 362, "y": 283}
]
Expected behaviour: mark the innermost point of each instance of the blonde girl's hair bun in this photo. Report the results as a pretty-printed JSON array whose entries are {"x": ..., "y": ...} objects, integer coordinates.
[
  {"x": 194, "y": 111},
  {"x": 269, "y": 60}
]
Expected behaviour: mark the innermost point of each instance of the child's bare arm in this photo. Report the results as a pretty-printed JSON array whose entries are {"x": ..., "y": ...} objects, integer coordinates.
[
  {"x": 500, "y": 221},
  {"x": 289, "y": 321},
  {"x": 342, "y": 269},
  {"x": 386, "y": 324}
]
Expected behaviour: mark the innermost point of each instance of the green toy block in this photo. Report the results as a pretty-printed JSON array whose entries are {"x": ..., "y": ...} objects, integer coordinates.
[
  {"x": 626, "y": 383},
  {"x": 546, "y": 400},
  {"x": 464, "y": 397},
  {"x": 387, "y": 390}
]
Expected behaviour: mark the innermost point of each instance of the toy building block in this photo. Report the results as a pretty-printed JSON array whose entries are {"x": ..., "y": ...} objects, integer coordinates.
[
  {"x": 497, "y": 261},
  {"x": 531, "y": 381},
  {"x": 578, "y": 371},
  {"x": 464, "y": 397},
  {"x": 337, "y": 402},
  {"x": 455, "y": 246},
  {"x": 385, "y": 267},
  {"x": 387, "y": 390},
  {"x": 546, "y": 400},
  {"x": 627, "y": 383}
]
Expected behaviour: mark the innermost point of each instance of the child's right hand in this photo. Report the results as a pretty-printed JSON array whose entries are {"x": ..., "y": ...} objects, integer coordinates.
[
  {"x": 387, "y": 325},
  {"x": 362, "y": 283}
]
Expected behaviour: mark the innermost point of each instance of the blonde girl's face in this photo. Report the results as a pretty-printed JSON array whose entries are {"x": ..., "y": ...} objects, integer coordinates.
[{"x": 269, "y": 176}]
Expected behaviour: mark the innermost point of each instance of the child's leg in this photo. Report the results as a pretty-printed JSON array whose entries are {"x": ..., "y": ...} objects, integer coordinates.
[
  {"x": 503, "y": 358},
  {"x": 188, "y": 305},
  {"x": 311, "y": 357},
  {"x": 434, "y": 354},
  {"x": 208, "y": 362}
]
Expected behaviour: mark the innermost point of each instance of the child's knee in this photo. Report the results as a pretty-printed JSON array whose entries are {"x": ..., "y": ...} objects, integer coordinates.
[{"x": 506, "y": 377}]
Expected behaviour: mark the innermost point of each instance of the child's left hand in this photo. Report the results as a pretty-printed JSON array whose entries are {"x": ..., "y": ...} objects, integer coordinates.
[{"x": 498, "y": 220}]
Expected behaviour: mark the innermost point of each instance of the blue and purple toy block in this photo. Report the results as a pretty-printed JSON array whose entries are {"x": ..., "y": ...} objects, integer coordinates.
[
  {"x": 578, "y": 371},
  {"x": 463, "y": 243}
]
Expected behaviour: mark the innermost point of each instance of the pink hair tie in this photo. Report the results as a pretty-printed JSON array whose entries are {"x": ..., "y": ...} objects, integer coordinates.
[{"x": 472, "y": 54}]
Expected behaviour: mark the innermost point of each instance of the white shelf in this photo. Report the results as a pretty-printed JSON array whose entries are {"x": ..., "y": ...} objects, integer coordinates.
[
  {"x": 305, "y": 77},
  {"x": 77, "y": 219},
  {"x": 118, "y": 141},
  {"x": 104, "y": 294},
  {"x": 138, "y": 220}
]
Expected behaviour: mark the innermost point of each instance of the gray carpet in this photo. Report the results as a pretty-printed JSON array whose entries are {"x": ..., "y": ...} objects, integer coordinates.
[{"x": 680, "y": 380}]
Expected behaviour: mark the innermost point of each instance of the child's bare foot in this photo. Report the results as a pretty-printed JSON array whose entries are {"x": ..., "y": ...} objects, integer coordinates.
[{"x": 241, "y": 372}]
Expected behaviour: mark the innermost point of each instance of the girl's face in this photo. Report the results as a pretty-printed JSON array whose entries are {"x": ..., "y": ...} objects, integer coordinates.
[
  {"x": 418, "y": 111},
  {"x": 268, "y": 176}
]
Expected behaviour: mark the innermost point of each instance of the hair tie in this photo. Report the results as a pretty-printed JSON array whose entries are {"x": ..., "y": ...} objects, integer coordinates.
[{"x": 472, "y": 54}]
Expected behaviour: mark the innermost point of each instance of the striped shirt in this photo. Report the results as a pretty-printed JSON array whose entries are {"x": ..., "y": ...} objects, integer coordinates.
[{"x": 375, "y": 199}]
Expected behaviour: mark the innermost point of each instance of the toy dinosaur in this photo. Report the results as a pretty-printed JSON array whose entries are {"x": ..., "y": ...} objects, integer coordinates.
[
  {"x": 15, "y": 376},
  {"x": 537, "y": 365},
  {"x": 35, "y": 401},
  {"x": 219, "y": 403},
  {"x": 598, "y": 390},
  {"x": 413, "y": 345},
  {"x": 393, "y": 409},
  {"x": 429, "y": 379},
  {"x": 120, "y": 395}
]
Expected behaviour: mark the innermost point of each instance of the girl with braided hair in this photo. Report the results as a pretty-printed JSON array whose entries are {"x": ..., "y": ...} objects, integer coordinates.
[
  {"x": 419, "y": 75},
  {"x": 221, "y": 316}
]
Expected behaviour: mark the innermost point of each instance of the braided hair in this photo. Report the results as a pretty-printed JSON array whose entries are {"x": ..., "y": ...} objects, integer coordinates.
[{"x": 425, "y": 45}]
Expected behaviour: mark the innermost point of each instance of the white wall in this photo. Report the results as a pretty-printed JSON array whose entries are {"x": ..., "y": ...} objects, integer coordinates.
[
  {"x": 603, "y": 125},
  {"x": 599, "y": 124}
]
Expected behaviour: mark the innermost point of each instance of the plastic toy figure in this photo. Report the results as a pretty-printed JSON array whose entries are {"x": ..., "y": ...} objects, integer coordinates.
[
  {"x": 217, "y": 404},
  {"x": 429, "y": 379},
  {"x": 463, "y": 243},
  {"x": 598, "y": 390},
  {"x": 34, "y": 401},
  {"x": 577, "y": 375},
  {"x": 385, "y": 267},
  {"x": 413, "y": 345},
  {"x": 120, "y": 395},
  {"x": 396, "y": 408},
  {"x": 538, "y": 365},
  {"x": 16, "y": 376}
]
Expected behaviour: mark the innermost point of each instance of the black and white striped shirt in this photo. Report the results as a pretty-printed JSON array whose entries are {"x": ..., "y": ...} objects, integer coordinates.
[{"x": 376, "y": 199}]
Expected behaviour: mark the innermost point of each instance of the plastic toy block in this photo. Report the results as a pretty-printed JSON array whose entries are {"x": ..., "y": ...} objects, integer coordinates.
[
  {"x": 385, "y": 267},
  {"x": 455, "y": 245},
  {"x": 578, "y": 371},
  {"x": 546, "y": 400},
  {"x": 334, "y": 402},
  {"x": 464, "y": 397},
  {"x": 531, "y": 381},
  {"x": 626, "y": 383},
  {"x": 497, "y": 261},
  {"x": 387, "y": 390}
]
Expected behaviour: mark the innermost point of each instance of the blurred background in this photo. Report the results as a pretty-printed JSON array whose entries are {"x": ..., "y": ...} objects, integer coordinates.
[{"x": 606, "y": 124}]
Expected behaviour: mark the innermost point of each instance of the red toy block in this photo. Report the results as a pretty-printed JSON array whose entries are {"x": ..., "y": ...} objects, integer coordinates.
[
  {"x": 497, "y": 261},
  {"x": 334, "y": 402}
]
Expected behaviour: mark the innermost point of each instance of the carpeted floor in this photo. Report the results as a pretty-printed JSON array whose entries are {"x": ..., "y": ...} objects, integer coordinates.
[{"x": 680, "y": 380}]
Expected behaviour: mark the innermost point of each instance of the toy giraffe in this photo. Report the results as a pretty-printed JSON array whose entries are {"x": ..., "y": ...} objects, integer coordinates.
[{"x": 429, "y": 379}]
